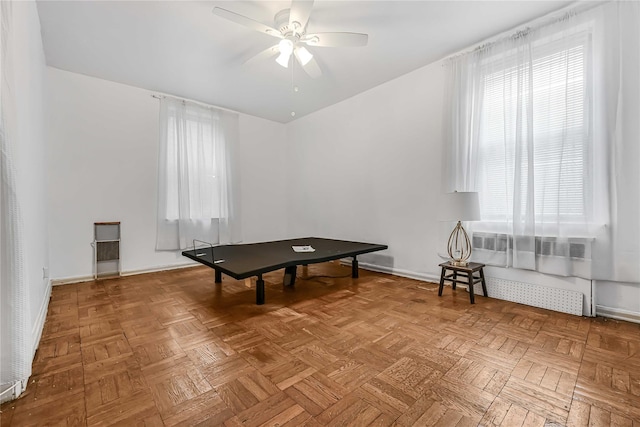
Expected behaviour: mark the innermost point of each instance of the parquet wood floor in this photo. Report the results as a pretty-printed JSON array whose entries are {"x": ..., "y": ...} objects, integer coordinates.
[{"x": 174, "y": 348}]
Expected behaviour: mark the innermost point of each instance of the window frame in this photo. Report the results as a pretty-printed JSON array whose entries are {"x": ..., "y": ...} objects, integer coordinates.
[{"x": 541, "y": 50}]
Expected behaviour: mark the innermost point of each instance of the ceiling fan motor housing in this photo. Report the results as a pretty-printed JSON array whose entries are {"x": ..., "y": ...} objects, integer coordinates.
[{"x": 281, "y": 20}]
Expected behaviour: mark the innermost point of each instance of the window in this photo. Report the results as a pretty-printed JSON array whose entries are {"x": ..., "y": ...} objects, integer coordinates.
[
  {"x": 534, "y": 135},
  {"x": 196, "y": 189},
  {"x": 191, "y": 168},
  {"x": 543, "y": 125}
]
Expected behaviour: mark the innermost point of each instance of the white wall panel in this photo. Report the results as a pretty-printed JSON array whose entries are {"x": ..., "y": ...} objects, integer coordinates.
[
  {"x": 103, "y": 167},
  {"x": 368, "y": 169},
  {"x": 263, "y": 189}
]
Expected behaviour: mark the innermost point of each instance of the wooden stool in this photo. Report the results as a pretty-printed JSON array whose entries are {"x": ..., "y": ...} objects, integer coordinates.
[{"x": 467, "y": 272}]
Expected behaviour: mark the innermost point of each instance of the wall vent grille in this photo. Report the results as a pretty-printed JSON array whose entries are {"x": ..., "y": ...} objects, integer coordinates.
[{"x": 562, "y": 300}]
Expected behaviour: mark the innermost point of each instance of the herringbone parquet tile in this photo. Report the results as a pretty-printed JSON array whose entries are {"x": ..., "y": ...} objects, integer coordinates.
[{"x": 176, "y": 349}]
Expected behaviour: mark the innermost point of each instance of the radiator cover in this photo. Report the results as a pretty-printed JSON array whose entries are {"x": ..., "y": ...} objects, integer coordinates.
[{"x": 562, "y": 300}]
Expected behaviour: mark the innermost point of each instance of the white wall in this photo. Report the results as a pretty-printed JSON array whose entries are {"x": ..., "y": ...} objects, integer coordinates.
[
  {"x": 263, "y": 191},
  {"x": 30, "y": 145},
  {"x": 620, "y": 300},
  {"x": 368, "y": 169},
  {"x": 103, "y": 167}
]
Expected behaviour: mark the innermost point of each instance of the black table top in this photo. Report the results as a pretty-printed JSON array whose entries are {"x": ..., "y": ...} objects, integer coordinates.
[{"x": 246, "y": 260}]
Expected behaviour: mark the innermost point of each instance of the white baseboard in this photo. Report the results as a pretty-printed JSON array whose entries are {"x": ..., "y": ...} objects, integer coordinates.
[
  {"x": 80, "y": 279},
  {"x": 617, "y": 313},
  {"x": 525, "y": 293},
  {"x": 69, "y": 280},
  {"x": 613, "y": 313},
  {"x": 395, "y": 271},
  {"x": 400, "y": 272},
  {"x": 161, "y": 268},
  {"x": 38, "y": 326}
]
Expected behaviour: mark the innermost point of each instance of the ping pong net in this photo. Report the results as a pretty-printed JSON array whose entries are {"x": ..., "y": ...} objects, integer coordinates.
[{"x": 204, "y": 249}]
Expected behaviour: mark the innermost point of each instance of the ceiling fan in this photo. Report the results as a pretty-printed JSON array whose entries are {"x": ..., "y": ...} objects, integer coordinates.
[{"x": 290, "y": 26}]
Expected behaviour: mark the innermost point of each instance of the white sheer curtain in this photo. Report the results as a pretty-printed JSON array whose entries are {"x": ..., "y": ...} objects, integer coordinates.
[
  {"x": 15, "y": 330},
  {"x": 540, "y": 124},
  {"x": 197, "y": 180}
]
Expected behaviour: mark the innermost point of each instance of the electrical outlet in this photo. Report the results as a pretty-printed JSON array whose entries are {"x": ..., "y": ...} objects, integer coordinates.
[{"x": 45, "y": 273}]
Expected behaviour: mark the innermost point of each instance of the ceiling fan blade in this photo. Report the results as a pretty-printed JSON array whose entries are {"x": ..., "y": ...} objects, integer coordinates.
[
  {"x": 300, "y": 11},
  {"x": 247, "y": 22},
  {"x": 312, "y": 69},
  {"x": 264, "y": 55},
  {"x": 336, "y": 39}
]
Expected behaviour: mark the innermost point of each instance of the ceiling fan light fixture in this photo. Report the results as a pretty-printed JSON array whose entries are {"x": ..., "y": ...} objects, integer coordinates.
[
  {"x": 285, "y": 46},
  {"x": 283, "y": 59},
  {"x": 303, "y": 55}
]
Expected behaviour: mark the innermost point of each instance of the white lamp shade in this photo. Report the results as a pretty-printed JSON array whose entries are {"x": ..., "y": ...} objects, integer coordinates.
[
  {"x": 303, "y": 55},
  {"x": 283, "y": 59},
  {"x": 285, "y": 46},
  {"x": 286, "y": 49},
  {"x": 460, "y": 206}
]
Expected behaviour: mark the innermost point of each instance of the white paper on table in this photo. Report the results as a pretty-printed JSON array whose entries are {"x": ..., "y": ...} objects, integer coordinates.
[{"x": 306, "y": 248}]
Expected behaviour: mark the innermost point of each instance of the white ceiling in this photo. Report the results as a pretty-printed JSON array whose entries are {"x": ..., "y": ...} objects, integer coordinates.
[{"x": 181, "y": 48}]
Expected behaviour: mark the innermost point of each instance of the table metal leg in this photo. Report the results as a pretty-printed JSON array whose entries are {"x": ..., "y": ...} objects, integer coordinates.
[
  {"x": 354, "y": 268},
  {"x": 260, "y": 290},
  {"x": 218, "y": 276},
  {"x": 289, "y": 276}
]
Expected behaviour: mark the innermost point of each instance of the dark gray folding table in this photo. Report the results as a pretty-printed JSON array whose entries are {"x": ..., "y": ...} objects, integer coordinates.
[{"x": 247, "y": 260}]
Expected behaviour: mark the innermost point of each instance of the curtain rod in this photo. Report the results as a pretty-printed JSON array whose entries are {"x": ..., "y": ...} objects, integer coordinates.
[
  {"x": 550, "y": 18},
  {"x": 202, "y": 104}
]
